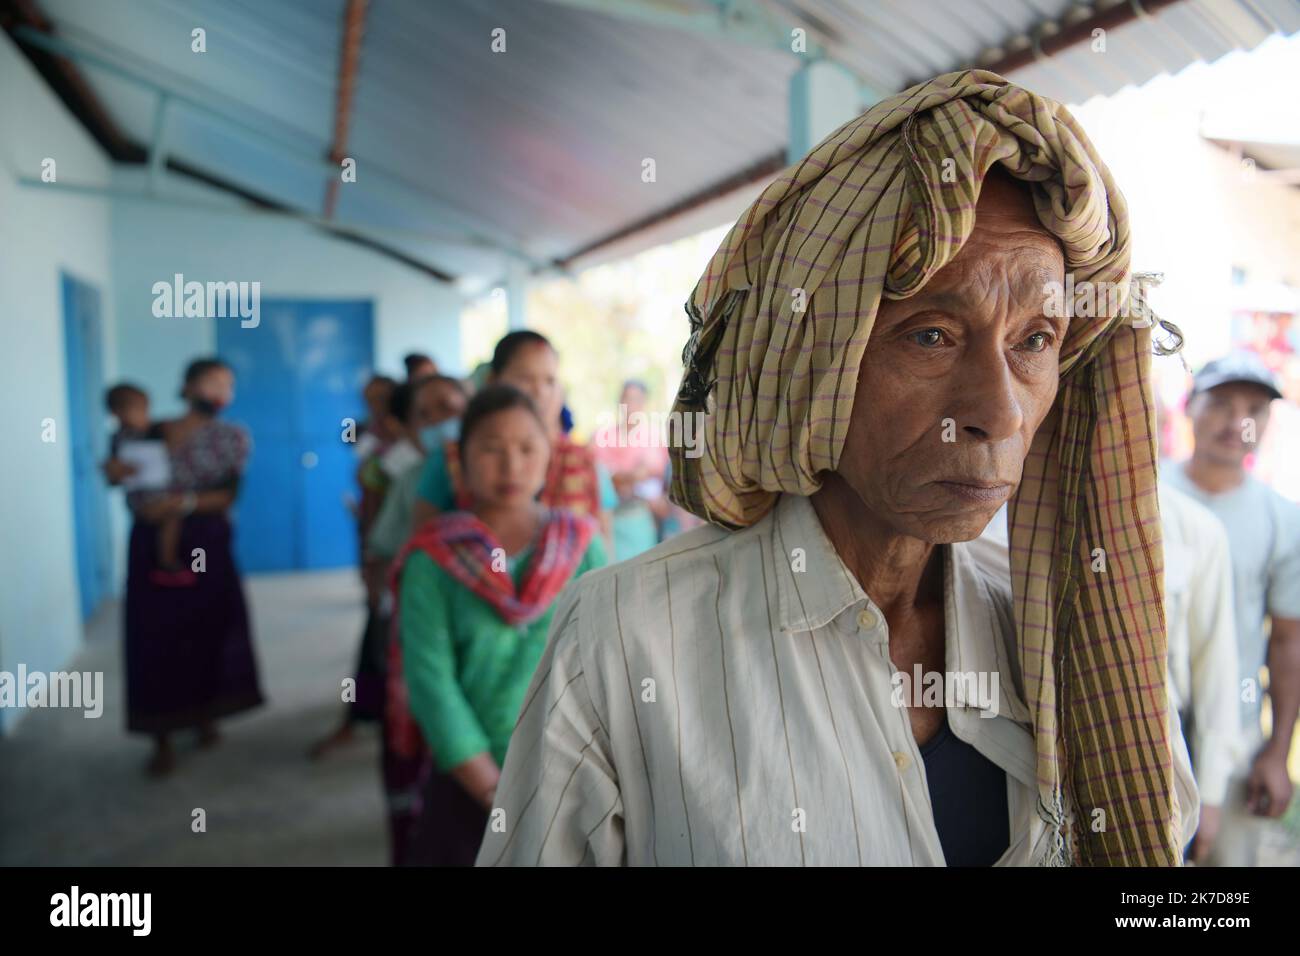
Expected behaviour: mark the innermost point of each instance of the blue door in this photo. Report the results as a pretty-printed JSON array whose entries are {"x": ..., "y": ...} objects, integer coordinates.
[
  {"x": 298, "y": 375},
  {"x": 83, "y": 353}
]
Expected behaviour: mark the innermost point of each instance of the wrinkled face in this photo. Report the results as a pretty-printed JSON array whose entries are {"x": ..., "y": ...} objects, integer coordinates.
[
  {"x": 535, "y": 370},
  {"x": 958, "y": 377},
  {"x": 1228, "y": 421},
  {"x": 504, "y": 459}
]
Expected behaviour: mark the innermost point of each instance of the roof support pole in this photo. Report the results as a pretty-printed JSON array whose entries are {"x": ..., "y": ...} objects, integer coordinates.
[
  {"x": 516, "y": 295},
  {"x": 158, "y": 142},
  {"x": 823, "y": 96}
]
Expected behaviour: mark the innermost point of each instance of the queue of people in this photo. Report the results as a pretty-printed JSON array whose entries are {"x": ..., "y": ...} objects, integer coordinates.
[
  {"x": 474, "y": 535},
  {"x": 479, "y": 508},
  {"x": 406, "y": 420},
  {"x": 477, "y": 511}
]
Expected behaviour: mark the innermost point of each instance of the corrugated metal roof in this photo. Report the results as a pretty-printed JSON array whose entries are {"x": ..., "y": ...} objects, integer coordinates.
[
  {"x": 463, "y": 152},
  {"x": 894, "y": 43},
  {"x": 1164, "y": 42}
]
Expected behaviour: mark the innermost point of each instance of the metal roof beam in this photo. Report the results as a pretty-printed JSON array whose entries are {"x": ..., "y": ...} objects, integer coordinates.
[
  {"x": 349, "y": 56},
  {"x": 1048, "y": 36},
  {"x": 267, "y": 139},
  {"x": 158, "y": 142}
]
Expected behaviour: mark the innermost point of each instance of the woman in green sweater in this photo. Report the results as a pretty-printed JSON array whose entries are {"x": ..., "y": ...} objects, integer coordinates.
[{"x": 477, "y": 590}]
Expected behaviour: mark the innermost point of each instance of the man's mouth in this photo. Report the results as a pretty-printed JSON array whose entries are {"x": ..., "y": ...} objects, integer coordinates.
[{"x": 982, "y": 492}]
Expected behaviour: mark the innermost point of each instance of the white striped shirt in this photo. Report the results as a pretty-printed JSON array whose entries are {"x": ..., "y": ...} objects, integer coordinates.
[
  {"x": 1202, "y": 638},
  {"x": 726, "y": 699}
]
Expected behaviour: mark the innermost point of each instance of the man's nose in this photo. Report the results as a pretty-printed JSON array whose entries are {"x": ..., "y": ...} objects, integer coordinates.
[{"x": 989, "y": 407}]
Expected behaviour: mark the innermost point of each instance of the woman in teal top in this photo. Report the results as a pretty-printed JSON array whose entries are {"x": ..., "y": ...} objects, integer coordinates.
[{"x": 475, "y": 603}]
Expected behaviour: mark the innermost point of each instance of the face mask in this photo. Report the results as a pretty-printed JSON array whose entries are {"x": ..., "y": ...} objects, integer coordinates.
[
  {"x": 435, "y": 436},
  {"x": 206, "y": 406}
]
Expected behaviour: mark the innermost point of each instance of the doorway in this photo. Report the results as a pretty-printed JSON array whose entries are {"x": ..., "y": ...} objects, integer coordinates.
[
  {"x": 298, "y": 375},
  {"x": 83, "y": 344}
]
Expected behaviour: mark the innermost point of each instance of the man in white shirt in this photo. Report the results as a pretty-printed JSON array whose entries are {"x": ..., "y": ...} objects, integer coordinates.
[
  {"x": 1202, "y": 651},
  {"x": 764, "y": 695},
  {"x": 1229, "y": 408}
]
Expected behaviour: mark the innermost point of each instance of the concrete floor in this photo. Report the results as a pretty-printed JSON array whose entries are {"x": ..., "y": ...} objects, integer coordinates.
[{"x": 73, "y": 791}]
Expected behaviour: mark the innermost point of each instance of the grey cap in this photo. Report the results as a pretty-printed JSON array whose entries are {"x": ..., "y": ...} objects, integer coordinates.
[{"x": 1236, "y": 367}]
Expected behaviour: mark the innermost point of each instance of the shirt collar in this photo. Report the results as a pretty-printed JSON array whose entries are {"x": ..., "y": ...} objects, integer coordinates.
[
  {"x": 976, "y": 617},
  {"x": 800, "y": 547}
]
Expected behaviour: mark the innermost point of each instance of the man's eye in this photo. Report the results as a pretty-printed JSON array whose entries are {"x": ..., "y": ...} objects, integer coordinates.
[
  {"x": 1037, "y": 342},
  {"x": 928, "y": 338}
]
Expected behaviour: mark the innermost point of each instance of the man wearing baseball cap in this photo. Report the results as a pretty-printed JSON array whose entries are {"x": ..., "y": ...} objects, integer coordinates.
[{"x": 1229, "y": 409}]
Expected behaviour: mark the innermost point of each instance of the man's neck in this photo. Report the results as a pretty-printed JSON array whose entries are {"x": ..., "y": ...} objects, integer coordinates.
[
  {"x": 1213, "y": 477},
  {"x": 898, "y": 572}
]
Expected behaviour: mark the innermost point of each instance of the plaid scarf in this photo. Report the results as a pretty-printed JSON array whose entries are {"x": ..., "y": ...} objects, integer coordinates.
[
  {"x": 465, "y": 547},
  {"x": 876, "y": 209}
]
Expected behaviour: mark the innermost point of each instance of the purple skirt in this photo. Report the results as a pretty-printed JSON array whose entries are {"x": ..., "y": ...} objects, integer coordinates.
[
  {"x": 403, "y": 778},
  {"x": 371, "y": 670},
  {"x": 189, "y": 650},
  {"x": 448, "y": 828}
]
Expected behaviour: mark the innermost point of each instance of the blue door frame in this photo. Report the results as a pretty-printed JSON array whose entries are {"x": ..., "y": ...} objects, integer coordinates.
[{"x": 83, "y": 356}]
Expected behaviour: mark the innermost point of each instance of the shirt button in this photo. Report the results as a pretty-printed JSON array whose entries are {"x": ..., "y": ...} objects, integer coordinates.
[
  {"x": 901, "y": 760},
  {"x": 868, "y": 619}
]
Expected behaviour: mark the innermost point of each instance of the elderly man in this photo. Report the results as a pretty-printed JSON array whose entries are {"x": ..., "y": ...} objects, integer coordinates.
[{"x": 878, "y": 374}]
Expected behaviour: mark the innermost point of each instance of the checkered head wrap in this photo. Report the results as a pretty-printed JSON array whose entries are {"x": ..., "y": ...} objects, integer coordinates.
[{"x": 779, "y": 323}]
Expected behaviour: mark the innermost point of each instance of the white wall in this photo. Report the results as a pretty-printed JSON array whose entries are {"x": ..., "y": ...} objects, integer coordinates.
[
  {"x": 41, "y": 233},
  {"x": 123, "y": 246},
  {"x": 151, "y": 241}
]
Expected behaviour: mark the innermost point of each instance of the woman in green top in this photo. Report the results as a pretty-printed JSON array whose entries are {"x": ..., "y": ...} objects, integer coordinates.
[{"x": 477, "y": 590}]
